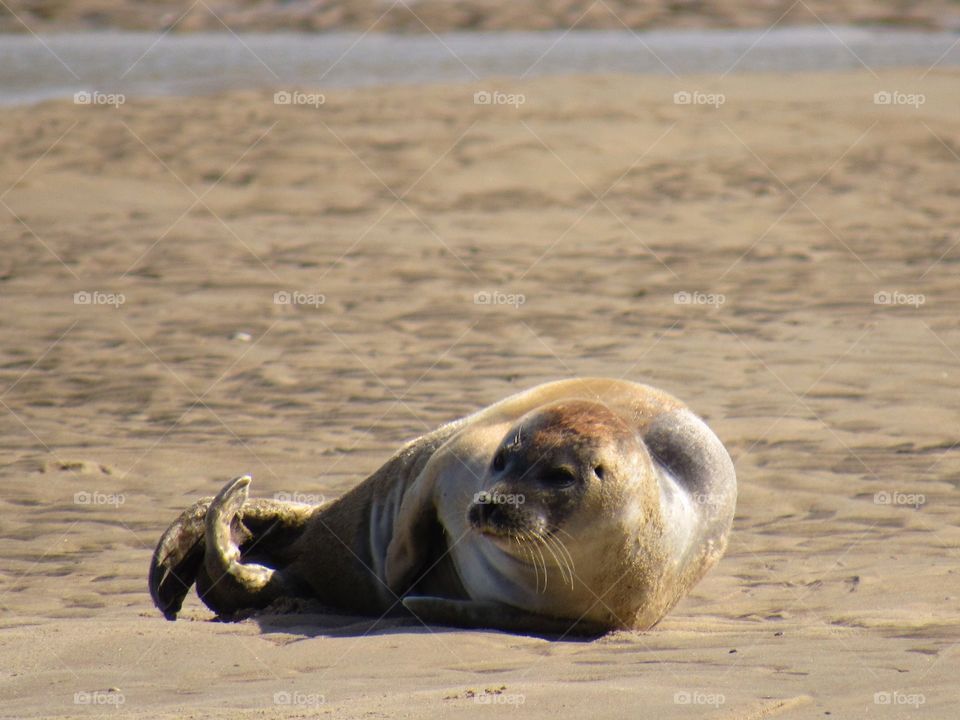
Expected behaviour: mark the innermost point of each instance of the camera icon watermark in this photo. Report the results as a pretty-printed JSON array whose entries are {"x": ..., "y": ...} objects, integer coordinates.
[
  {"x": 85, "y": 497},
  {"x": 95, "y": 297},
  {"x": 699, "y": 298},
  {"x": 495, "y": 297},
  {"x": 895, "y": 697},
  {"x": 295, "y": 97},
  {"x": 295, "y": 698},
  {"x": 487, "y": 97},
  {"x": 895, "y": 97},
  {"x": 301, "y": 498},
  {"x": 696, "y": 97},
  {"x": 499, "y": 698},
  {"x": 297, "y": 297},
  {"x": 94, "y": 97},
  {"x": 485, "y": 497},
  {"x": 914, "y": 500},
  {"x": 895, "y": 297},
  {"x": 100, "y": 698},
  {"x": 698, "y": 697}
]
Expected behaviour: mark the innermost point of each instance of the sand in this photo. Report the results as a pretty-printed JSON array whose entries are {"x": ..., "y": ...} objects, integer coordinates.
[
  {"x": 423, "y": 16},
  {"x": 781, "y": 213}
]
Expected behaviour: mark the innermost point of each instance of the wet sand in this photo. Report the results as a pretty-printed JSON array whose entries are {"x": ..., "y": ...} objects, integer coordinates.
[
  {"x": 781, "y": 213},
  {"x": 143, "y": 64}
]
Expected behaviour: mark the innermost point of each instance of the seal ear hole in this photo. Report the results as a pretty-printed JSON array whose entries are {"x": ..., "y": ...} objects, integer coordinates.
[
  {"x": 599, "y": 471},
  {"x": 499, "y": 461}
]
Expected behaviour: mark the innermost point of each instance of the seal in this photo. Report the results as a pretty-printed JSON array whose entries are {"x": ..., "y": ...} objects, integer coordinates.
[{"x": 578, "y": 506}]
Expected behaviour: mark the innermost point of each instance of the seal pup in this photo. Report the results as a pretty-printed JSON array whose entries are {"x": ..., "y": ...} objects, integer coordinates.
[{"x": 581, "y": 505}]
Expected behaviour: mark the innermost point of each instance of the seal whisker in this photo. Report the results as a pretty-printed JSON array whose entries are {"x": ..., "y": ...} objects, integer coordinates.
[
  {"x": 541, "y": 540},
  {"x": 537, "y": 555},
  {"x": 543, "y": 561},
  {"x": 528, "y": 553},
  {"x": 566, "y": 551},
  {"x": 562, "y": 545},
  {"x": 565, "y": 559},
  {"x": 531, "y": 544},
  {"x": 561, "y": 554},
  {"x": 561, "y": 561}
]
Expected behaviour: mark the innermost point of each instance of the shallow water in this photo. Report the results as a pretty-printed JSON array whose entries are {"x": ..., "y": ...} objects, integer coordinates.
[{"x": 35, "y": 68}]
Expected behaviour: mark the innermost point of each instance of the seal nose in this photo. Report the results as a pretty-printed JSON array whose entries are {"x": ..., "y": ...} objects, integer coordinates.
[{"x": 479, "y": 514}]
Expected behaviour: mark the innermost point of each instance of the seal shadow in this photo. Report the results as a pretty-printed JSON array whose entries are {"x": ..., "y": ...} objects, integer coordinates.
[{"x": 310, "y": 620}]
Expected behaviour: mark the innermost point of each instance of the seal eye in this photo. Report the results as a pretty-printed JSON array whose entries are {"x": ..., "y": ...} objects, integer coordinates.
[
  {"x": 558, "y": 477},
  {"x": 499, "y": 461},
  {"x": 599, "y": 471}
]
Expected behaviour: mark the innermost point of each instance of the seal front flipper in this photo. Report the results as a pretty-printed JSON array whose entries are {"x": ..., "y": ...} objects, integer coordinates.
[
  {"x": 474, "y": 614},
  {"x": 414, "y": 533}
]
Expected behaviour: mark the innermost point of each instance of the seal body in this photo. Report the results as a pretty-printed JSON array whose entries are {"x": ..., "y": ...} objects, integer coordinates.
[{"x": 581, "y": 505}]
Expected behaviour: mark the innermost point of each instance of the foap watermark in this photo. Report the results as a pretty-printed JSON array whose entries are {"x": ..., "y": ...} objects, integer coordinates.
[
  {"x": 895, "y": 697},
  {"x": 914, "y": 500},
  {"x": 298, "y": 497},
  {"x": 99, "y": 697},
  {"x": 698, "y": 697},
  {"x": 95, "y": 97},
  {"x": 296, "y": 698},
  {"x": 495, "y": 297},
  {"x": 698, "y": 298},
  {"x": 706, "y": 499},
  {"x": 697, "y": 97},
  {"x": 485, "y": 497},
  {"x": 96, "y": 297},
  {"x": 486, "y": 97},
  {"x": 499, "y": 698},
  {"x": 85, "y": 497},
  {"x": 895, "y": 297},
  {"x": 297, "y": 297},
  {"x": 286, "y": 97},
  {"x": 895, "y": 97}
]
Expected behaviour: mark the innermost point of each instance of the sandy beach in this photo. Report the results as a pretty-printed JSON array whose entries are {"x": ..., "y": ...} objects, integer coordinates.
[{"x": 196, "y": 288}]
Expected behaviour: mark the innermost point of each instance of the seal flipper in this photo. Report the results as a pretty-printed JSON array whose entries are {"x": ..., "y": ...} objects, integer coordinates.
[
  {"x": 416, "y": 525},
  {"x": 477, "y": 615},
  {"x": 228, "y": 583},
  {"x": 177, "y": 559},
  {"x": 212, "y": 544}
]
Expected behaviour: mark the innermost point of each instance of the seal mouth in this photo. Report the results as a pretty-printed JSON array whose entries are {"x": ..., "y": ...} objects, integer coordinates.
[
  {"x": 514, "y": 533},
  {"x": 541, "y": 551},
  {"x": 504, "y": 523},
  {"x": 497, "y": 531}
]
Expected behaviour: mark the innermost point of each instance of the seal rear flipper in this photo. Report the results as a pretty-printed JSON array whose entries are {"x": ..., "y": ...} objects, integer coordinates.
[
  {"x": 177, "y": 559},
  {"x": 227, "y": 583},
  {"x": 474, "y": 614},
  {"x": 213, "y": 544}
]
